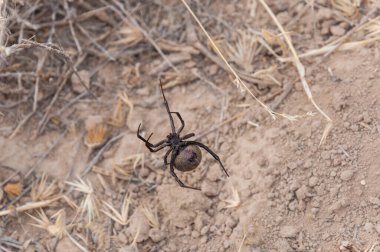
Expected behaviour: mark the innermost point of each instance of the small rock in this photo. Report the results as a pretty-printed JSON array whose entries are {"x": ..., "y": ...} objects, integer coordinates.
[
  {"x": 288, "y": 232},
  {"x": 205, "y": 230},
  {"x": 368, "y": 227},
  {"x": 156, "y": 235},
  {"x": 195, "y": 234},
  {"x": 77, "y": 84},
  {"x": 324, "y": 14},
  {"x": 374, "y": 200},
  {"x": 337, "y": 30},
  {"x": 346, "y": 175},
  {"x": 231, "y": 222},
  {"x": 362, "y": 182},
  {"x": 262, "y": 161},
  {"x": 313, "y": 181},
  {"x": 301, "y": 193},
  {"x": 308, "y": 163},
  {"x": 209, "y": 188},
  {"x": 377, "y": 228}
]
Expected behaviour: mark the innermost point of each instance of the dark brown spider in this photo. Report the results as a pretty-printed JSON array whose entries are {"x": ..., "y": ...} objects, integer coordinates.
[{"x": 186, "y": 155}]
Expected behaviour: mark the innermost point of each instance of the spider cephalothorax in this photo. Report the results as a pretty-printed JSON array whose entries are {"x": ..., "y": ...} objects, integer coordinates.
[{"x": 185, "y": 155}]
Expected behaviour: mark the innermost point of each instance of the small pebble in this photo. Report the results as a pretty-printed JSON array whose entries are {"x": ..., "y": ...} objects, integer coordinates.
[
  {"x": 346, "y": 175},
  {"x": 288, "y": 232},
  {"x": 337, "y": 30},
  {"x": 313, "y": 181}
]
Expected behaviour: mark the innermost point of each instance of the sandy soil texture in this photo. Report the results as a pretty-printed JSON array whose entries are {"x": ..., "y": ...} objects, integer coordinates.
[{"x": 77, "y": 79}]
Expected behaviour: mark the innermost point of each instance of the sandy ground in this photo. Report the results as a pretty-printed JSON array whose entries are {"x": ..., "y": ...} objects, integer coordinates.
[{"x": 285, "y": 193}]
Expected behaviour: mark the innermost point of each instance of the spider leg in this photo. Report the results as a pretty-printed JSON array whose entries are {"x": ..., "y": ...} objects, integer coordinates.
[
  {"x": 166, "y": 156},
  {"x": 167, "y": 109},
  {"x": 187, "y": 136},
  {"x": 181, "y": 184},
  {"x": 208, "y": 150},
  {"x": 182, "y": 121},
  {"x": 149, "y": 145}
]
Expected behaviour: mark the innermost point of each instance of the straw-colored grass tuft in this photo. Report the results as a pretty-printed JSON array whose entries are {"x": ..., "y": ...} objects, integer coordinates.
[
  {"x": 89, "y": 204},
  {"x": 122, "y": 216}
]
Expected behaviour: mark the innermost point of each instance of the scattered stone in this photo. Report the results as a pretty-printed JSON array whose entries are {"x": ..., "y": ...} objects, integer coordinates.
[
  {"x": 374, "y": 200},
  {"x": 156, "y": 235},
  {"x": 337, "y": 30},
  {"x": 301, "y": 193},
  {"x": 377, "y": 228},
  {"x": 288, "y": 232},
  {"x": 368, "y": 227},
  {"x": 262, "y": 161},
  {"x": 205, "y": 230},
  {"x": 195, "y": 234},
  {"x": 308, "y": 163},
  {"x": 231, "y": 222},
  {"x": 346, "y": 175},
  {"x": 324, "y": 14},
  {"x": 138, "y": 224},
  {"x": 313, "y": 181}
]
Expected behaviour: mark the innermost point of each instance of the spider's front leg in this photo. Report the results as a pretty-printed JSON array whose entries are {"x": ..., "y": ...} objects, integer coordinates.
[
  {"x": 181, "y": 184},
  {"x": 162, "y": 144},
  {"x": 182, "y": 121}
]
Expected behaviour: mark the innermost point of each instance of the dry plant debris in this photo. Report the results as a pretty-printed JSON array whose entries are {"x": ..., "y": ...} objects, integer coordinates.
[{"x": 64, "y": 61}]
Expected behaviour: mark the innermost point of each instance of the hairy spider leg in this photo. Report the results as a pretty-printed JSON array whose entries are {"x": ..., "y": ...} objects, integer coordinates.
[
  {"x": 182, "y": 122},
  {"x": 167, "y": 109},
  {"x": 149, "y": 145},
  {"x": 166, "y": 156},
  {"x": 187, "y": 136},
  {"x": 181, "y": 184},
  {"x": 186, "y": 143}
]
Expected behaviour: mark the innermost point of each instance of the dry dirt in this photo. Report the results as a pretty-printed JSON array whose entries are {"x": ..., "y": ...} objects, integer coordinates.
[{"x": 285, "y": 192}]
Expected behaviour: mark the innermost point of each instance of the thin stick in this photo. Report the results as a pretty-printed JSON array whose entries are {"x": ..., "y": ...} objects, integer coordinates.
[
  {"x": 238, "y": 80},
  {"x": 99, "y": 154},
  {"x": 19, "y": 126},
  {"x": 146, "y": 35},
  {"x": 29, "y": 206},
  {"x": 301, "y": 71},
  {"x": 42, "y": 158}
]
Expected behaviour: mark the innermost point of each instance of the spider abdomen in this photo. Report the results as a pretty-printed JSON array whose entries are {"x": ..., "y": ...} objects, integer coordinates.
[{"x": 188, "y": 158}]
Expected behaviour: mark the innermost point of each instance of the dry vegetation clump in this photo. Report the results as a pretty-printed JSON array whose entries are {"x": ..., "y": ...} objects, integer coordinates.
[{"x": 82, "y": 72}]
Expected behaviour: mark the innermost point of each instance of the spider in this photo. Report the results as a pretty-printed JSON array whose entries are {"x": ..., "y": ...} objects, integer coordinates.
[{"x": 185, "y": 155}]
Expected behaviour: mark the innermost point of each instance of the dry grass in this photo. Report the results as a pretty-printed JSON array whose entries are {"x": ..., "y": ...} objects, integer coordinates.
[
  {"x": 40, "y": 54},
  {"x": 122, "y": 216},
  {"x": 234, "y": 200},
  {"x": 89, "y": 205}
]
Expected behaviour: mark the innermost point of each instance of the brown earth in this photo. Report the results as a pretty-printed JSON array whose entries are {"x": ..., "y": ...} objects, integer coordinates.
[{"x": 285, "y": 191}]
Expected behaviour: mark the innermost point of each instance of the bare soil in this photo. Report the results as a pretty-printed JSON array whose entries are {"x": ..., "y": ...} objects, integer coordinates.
[{"x": 285, "y": 193}]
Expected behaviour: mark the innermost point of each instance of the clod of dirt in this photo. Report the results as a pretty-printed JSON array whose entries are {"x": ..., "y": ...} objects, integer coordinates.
[
  {"x": 186, "y": 204},
  {"x": 288, "y": 232},
  {"x": 346, "y": 175},
  {"x": 209, "y": 188},
  {"x": 156, "y": 234},
  {"x": 374, "y": 200},
  {"x": 76, "y": 82},
  {"x": 337, "y": 30},
  {"x": 138, "y": 224}
]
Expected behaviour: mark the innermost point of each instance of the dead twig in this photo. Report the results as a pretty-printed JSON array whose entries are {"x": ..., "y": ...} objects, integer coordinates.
[{"x": 99, "y": 154}]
